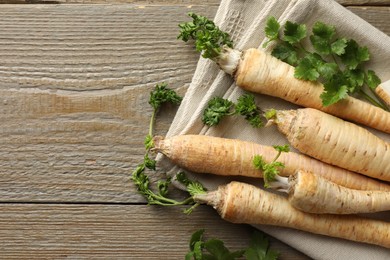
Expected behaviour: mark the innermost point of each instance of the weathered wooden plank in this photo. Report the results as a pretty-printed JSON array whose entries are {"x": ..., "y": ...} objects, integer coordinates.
[
  {"x": 377, "y": 16},
  {"x": 31, "y": 231},
  {"x": 74, "y": 87}
]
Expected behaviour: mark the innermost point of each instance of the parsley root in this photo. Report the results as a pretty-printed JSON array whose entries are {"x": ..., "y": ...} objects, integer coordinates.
[
  {"x": 244, "y": 203},
  {"x": 313, "y": 194},
  {"x": 383, "y": 91},
  {"x": 222, "y": 156},
  {"x": 335, "y": 141},
  {"x": 259, "y": 72}
]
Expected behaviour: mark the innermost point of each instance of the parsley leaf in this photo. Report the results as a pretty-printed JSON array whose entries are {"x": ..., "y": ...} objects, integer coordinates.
[
  {"x": 218, "y": 251},
  {"x": 327, "y": 70},
  {"x": 270, "y": 114},
  {"x": 195, "y": 245},
  {"x": 216, "y": 109},
  {"x": 209, "y": 39},
  {"x": 330, "y": 97},
  {"x": 372, "y": 80},
  {"x": 307, "y": 68},
  {"x": 193, "y": 187},
  {"x": 247, "y": 107},
  {"x": 354, "y": 79},
  {"x": 210, "y": 249},
  {"x": 334, "y": 92},
  {"x": 324, "y": 31},
  {"x": 335, "y": 62},
  {"x": 219, "y": 107},
  {"x": 282, "y": 148},
  {"x": 215, "y": 249},
  {"x": 272, "y": 169},
  {"x": 294, "y": 32},
  {"x": 322, "y": 37},
  {"x": 148, "y": 142},
  {"x": 338, "y": 46},
  {"x": 163, "y": 186},
  {"x": 286, "y": 52},
  {"x": 259, "y": 162},
  {"x": 354, "y": 55},
  {"x": 162, "y": 94},
  {"x": 149, "y": 163},
  {"x": 259, "y": 248},
  {"x": 271, "y": 30}
]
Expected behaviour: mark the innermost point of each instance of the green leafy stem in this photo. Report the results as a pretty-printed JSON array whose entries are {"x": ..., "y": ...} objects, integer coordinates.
[
  {"x": 209, "y": 39},
  {"x": 159, "y": 96},
  {"x": 271, "y": 170},
  {"x": 218, "y": 107},
  {"x": 336, "y": 62}
]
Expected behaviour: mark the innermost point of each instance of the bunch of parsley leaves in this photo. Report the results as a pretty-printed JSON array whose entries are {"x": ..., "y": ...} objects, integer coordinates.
[{"x": 337, "y": 62}]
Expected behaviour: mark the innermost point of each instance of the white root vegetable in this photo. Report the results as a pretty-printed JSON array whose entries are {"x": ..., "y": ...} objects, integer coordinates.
[
  {"x": 259, "y": 72},
  {"x": 383, "y": 91},
  {"x": 228, "y": 157},
  {"x": 313, "y": 194},
  {"x": 243, "y": 203},
  {"x": 335, "y": 141}
]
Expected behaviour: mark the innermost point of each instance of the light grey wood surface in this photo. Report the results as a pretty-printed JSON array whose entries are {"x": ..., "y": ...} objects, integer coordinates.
[{"x": 74, "y": 86}]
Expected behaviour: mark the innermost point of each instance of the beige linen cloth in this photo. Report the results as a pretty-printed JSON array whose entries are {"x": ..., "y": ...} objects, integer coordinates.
[{"x": 245, "y": 21}]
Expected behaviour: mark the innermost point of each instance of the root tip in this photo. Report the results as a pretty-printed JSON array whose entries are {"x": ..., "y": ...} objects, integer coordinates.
[{"x": 157, "y": 142}]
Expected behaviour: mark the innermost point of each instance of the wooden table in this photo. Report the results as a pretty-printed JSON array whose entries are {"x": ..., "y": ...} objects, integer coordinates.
[{"x": 74, "y": 88}]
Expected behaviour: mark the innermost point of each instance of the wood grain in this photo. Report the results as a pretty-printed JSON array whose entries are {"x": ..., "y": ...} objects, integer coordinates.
[
  {"x": 74, "y": 89},
  {"x": 32, "y": 231}
]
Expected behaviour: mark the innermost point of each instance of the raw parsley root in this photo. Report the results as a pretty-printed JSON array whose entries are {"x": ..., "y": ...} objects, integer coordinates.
[
  {"x": 232, "y": 157},
  {"x": 257, "y": 71},
  {"x": 335, "y": 141},
  {"x": 383, "y": 91},
  {"x": 343, "y": 144},
  {"x": 219, "y": 107},
  {"x": 215, "y": 248},
  {"x": 160, "y": 95},
  {"x": 239, "y": 202},
  {"x": 313, "y": 194}
]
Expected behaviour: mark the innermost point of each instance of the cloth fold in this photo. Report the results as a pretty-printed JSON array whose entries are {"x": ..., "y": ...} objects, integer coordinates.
[{"x": 245, "y": 20}]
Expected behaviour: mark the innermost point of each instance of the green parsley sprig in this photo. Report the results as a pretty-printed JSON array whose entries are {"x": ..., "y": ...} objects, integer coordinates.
[
  {"x": 219, "y": 107},
  {"x": 270, "y": 170},
  {"x": 337, "y": 62},
  {"x": 209, "y": 39},
  {"x": 160, "y": 95},
  {"x": 201, "y": 249}
]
